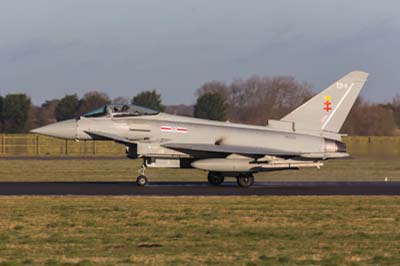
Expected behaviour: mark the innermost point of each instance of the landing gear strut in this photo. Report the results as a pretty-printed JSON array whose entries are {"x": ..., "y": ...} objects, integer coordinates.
[
  {"x": 215, "y": 179},
  {"x": 245, "y": 180},
  {"x": 142, "y": 180}
]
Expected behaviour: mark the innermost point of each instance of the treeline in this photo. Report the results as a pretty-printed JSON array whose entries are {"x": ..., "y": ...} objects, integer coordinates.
[
  {"x": 18, "y": 115},
  {"x": 257, "y": 99},
  {"x": 251, "y": 101}
]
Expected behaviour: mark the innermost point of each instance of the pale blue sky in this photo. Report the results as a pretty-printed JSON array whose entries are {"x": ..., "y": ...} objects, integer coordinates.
[{"x": 50, "y": 48}]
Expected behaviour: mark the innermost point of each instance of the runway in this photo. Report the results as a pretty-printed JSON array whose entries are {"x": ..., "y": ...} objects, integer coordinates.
[{"x": 199, "y": 189}]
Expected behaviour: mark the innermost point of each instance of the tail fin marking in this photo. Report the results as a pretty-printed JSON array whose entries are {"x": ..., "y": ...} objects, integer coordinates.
[{"x": 328, "y": 110}]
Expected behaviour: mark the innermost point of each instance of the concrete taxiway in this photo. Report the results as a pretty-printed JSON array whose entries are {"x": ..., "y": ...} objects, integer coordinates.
[{"x": 200, "y": 189}]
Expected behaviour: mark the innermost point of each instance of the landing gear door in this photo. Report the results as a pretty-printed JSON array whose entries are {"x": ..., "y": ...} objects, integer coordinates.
[
  {"x": 132, "y": 151},
  {"x": 156, "y": 150}
]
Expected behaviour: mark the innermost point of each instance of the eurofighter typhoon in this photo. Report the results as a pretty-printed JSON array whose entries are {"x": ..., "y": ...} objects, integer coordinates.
[{"x": 305, "y": 137}]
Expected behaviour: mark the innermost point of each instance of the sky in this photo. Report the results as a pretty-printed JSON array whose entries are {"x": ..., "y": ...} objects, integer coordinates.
[{"x": 51, "y": 48}]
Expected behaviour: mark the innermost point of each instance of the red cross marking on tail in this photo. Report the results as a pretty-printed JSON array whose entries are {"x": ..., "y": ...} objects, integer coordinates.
[{"x": 327, "y": 106}]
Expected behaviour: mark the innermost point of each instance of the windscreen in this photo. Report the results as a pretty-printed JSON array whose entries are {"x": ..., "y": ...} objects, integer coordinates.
[
  {"x": 117, "y": 110},
  {"x": 99, "y": 112}
]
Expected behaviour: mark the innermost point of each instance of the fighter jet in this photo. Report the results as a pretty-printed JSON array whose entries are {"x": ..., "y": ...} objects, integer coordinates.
[{"x": 306, "y": 137}]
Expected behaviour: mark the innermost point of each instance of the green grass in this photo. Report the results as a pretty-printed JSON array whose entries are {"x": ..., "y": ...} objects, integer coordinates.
[
  {"x": 83, "y": 231},
  {"x": 360, "y": 169},
  {"x": 200, "y": 231}
]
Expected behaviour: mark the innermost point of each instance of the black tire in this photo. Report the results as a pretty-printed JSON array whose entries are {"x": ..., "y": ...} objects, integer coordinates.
[
  {"x": 142, "y": 181},
  {"x": 215, "y": 179},
  {"x": 245, "y": 180}
]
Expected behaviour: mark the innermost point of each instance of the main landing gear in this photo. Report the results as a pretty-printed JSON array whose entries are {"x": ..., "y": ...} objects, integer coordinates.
[
  {"x": 244, "y": 180},
  {"x": 215, "y": 179},
  {"x": 142, "y": 180}
]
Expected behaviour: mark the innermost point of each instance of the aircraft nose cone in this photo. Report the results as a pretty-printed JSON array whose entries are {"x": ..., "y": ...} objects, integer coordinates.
[{"x": 65, "y": 130}]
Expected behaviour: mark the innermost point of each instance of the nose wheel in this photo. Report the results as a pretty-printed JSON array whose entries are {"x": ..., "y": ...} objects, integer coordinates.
[{"x": 142, "y": 181}]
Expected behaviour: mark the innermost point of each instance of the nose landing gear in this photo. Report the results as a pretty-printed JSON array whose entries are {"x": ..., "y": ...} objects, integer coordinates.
[{"x": 142, "y": 180}]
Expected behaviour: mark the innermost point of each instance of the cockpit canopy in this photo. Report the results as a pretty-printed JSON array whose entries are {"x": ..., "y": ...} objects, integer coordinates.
[{"x": 120, "y": 110}]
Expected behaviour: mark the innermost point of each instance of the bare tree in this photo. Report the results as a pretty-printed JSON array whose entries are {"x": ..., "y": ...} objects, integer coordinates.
[
  {"x": 214, "y": 87},
  {"x": 257, "y": 99},
  {"x": 46, "y": 114},
  {"x": 366, "y": 119},
  {"x": 396, "y": 109},
  {"x": 121, "y": 100}
]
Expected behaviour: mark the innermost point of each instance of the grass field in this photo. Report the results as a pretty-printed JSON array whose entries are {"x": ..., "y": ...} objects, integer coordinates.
[
  {"x": 360, "y": 169},
  {"x": 85, "y": 231},
  {"x": 200, "y": 231}
]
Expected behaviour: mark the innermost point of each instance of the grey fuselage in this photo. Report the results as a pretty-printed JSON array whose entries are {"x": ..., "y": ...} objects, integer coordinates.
[{"x": 154, "y": 130}]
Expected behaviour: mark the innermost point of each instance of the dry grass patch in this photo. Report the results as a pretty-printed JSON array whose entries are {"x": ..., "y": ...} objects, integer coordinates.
[
  {"x": 356, "y": 169},
  {"x": 199, "y": 231}
]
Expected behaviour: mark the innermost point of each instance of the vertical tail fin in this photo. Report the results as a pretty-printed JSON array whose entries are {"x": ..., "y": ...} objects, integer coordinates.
[{"x": 328, "y": 110}]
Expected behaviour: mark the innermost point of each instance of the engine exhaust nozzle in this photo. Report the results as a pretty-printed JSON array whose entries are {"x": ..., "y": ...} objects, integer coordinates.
[{"x": 334, "y": 146}]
